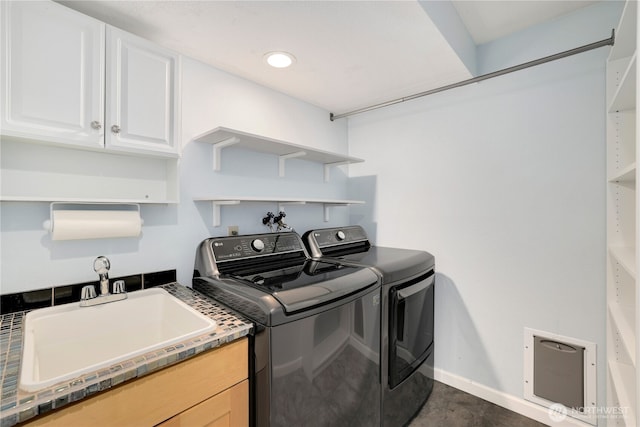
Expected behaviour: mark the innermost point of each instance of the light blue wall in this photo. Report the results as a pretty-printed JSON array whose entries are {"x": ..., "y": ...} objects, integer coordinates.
[
  {"x": 504, "y": 182},
  {"x": 588, "y": 25},
  {"x": 29, "y": 259}
]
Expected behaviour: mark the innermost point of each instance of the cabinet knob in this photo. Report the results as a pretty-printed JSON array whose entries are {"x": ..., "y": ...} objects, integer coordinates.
[
  {"x": 96, "y": 125},
  {"x": 115, "y": 129}
]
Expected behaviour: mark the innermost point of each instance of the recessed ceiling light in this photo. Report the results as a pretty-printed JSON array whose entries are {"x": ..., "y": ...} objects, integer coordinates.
[{"x": 279, "y": 59}]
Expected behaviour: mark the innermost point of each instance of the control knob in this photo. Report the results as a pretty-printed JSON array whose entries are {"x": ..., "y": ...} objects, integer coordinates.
[
  {"x": 257, "y": 245},
  {"x": 340, "y": 235}
]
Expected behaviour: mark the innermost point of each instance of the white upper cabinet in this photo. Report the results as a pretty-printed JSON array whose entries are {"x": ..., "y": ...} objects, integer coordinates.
[
  {"x": 52, "y": 74},
  {"x": 142, "y": 84},
  {"x": 54, "y": 83}
]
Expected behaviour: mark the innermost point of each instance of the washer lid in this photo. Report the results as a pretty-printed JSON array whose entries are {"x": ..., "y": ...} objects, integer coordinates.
[{"x": 305, "y": 286}]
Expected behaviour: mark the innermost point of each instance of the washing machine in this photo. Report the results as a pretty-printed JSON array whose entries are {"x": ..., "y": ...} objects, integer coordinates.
[{"x": 315, "y": 350}]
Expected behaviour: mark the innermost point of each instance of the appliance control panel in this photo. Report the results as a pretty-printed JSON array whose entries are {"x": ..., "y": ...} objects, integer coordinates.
[
  {"x": 335, "y": 236},
  {"x": 238, "y": 247}
]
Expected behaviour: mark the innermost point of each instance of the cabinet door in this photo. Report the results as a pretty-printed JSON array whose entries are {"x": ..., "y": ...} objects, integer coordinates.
[
  {"x": 52, "y": 77},
  {"x": 142, "y": 101},
  {"x": 227, "y": 409}
]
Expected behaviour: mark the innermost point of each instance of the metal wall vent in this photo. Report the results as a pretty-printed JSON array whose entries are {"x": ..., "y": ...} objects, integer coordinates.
[{"x": 560, "y": 373}]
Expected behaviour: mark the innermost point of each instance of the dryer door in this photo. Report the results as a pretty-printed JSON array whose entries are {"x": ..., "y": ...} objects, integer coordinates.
[{"x": 411, "y": 326}]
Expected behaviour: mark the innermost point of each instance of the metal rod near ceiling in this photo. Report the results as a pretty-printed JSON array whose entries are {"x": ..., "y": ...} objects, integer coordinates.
[{"x": 606, "y": 42}]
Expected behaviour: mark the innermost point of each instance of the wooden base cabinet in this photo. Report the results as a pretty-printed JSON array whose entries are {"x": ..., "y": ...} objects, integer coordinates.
[{"x": 210, "y": 389}]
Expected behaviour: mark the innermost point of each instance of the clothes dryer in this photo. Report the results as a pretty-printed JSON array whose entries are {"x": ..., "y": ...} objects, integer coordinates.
[{"x": 407, "y": 313}]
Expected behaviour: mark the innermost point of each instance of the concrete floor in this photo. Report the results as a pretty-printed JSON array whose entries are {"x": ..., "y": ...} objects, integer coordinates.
[{"x": 450, "y": 407}]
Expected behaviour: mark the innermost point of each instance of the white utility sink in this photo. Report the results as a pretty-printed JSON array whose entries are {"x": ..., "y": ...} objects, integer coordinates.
[{"x": 66, "y": 341}]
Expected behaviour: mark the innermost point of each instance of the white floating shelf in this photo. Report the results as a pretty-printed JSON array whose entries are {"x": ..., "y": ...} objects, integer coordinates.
[
  {"x": 50, "y": 199},
  {"x": 626, "y": 174},
  {"x": 624, "y": 97},
  {"x": 49, "y": 173},
  {"x": 624, "y": 320},
  {"x": 623, "y": 377},
  {"x": 218, "y": 201},
  {"x": 222, "y": 137},
  {"x": 626, "y": 257},
  {"x": 625, "y": 44}
]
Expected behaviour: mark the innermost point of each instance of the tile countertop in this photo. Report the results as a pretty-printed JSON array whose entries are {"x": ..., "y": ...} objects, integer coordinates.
[{"x": 18, "y": 406}]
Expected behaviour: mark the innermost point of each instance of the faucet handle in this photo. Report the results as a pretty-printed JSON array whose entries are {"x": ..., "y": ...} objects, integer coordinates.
[
  {"x": 119, "y": 287},
  {"x": 88, "y": 292}
]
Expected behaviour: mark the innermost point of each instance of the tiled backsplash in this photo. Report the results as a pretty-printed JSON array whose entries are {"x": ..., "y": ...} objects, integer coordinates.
[{"x": 40, "y": 298}]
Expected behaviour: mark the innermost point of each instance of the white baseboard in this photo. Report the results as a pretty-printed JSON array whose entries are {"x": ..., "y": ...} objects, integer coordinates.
[{"x": 508, "y": 401}]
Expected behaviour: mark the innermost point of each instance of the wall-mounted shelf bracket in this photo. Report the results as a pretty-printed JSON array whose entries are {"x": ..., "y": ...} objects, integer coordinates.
[
  {"x": 283, "y": 158},
  {"x": 216, "y": 209},
  {"x": 281, "y": 205},
  {"x": 217, "y": 150},
  {"x": 328, "y": 166},
  {"x": 326, "y": 207}
]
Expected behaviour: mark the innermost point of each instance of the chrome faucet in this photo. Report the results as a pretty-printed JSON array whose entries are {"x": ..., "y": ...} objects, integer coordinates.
[{"x": 101, "y": 265}]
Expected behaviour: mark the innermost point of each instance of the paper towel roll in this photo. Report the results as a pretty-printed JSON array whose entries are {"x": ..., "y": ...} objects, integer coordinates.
[{"x": 90, "y": 224}]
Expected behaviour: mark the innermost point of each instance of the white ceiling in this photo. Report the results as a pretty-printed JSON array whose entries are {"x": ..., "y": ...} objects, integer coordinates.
[{"x": 350, "y": 54}]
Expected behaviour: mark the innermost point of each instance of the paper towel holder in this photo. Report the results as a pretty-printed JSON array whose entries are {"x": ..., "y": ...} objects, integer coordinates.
[{"x": 48, "y": 224}]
